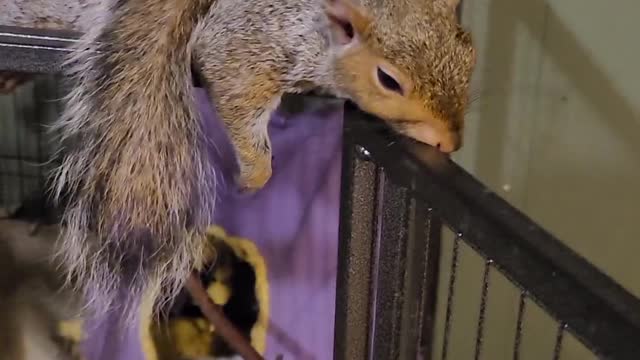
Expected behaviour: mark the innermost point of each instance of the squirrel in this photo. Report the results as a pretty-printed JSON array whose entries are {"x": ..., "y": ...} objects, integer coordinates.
[{"x": 134, "y": 152}]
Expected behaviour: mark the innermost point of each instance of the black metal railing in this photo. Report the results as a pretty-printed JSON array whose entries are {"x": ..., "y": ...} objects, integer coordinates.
[{"x": 397, "y": 197}]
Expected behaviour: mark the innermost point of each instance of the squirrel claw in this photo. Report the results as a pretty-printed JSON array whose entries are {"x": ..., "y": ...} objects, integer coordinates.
[{"x": 254, "y": 177}]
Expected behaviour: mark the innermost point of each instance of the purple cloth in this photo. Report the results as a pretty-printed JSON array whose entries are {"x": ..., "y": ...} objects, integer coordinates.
[
  {"x": 293, "y": 221},
  {"x": 105, "y": 339}
]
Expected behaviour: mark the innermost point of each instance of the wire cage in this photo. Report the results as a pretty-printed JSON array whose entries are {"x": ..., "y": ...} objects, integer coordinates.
[
  {"x": 429, "y": 257},
  {"x": 25, "y": 151}
]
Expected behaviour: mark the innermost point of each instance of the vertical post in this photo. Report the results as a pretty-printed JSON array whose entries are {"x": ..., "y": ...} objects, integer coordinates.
[
  {"x": 392, "y": 268},
  {"x": 352, "y": 323},
  {"x": 403, "y": 288},
  {"x": 387, "y": 267}
]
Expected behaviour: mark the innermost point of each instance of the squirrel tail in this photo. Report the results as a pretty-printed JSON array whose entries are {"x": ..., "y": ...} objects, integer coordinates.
[{"x": 134, "y": 158}]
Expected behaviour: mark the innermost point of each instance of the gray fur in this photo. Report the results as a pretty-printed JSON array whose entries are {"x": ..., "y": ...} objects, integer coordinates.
[{"x": 76, "y": 15}]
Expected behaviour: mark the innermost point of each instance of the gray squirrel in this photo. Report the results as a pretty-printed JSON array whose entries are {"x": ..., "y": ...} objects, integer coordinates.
[{"x": 135, "y": 159}]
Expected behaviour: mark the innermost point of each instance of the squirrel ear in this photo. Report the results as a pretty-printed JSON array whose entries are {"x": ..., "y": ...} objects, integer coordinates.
[{"x": 346, "y": 20}]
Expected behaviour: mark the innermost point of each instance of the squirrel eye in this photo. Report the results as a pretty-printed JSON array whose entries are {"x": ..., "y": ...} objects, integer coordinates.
[{"x": 389, "y": 82}]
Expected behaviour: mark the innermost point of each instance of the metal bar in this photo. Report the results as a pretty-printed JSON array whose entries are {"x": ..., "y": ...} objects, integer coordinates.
[
  {"x": 519, "y": 325},
  {"x": 433, "y": 234},
  {"x": 597, "y": 310},
  {"x": 450, "y": 294},
  {"x": 39, "y": 115},
  {"x": 18, "y": 113},
  {"x": 400, "y": 264},
  {"x": 557, "y": 348},
  {"x": 483, "y": 309},
  {"x": 34, "y": 50},
  {"x": 388, "y": 283},
  {"x": 24, "y": 158},
  {"x": 352, "y": 317}
]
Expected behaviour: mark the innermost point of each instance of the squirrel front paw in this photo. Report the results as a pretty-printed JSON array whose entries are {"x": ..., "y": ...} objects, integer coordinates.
[{"x": 254, "y": 174}]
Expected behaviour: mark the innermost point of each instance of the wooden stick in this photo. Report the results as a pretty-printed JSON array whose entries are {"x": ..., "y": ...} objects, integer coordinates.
[{"x": 216, "y": 317}]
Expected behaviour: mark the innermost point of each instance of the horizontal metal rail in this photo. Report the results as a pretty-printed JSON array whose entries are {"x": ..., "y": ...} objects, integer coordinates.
[{"x": 34, "y": 50}]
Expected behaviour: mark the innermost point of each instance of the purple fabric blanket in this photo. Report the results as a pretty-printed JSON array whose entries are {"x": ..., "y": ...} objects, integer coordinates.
[{"x": 293, "y": 221}]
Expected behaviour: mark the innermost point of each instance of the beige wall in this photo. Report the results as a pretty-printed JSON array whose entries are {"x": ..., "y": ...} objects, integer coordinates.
[{"x": 556, "y": 131}]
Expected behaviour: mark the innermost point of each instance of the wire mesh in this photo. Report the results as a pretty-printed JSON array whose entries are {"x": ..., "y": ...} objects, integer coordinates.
[
  {"x": 24, "y": 147},
  {"x": 484, "y": 315}
]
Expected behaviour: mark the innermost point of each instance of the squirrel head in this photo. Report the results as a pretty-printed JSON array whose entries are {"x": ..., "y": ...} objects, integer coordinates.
[{"x": 406, "y": 61}]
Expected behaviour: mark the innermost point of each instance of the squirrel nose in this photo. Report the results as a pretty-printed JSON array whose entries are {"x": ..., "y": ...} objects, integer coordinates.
[
  {"x": 446, "y": 141},
  {"x": 449, "y": 143}
]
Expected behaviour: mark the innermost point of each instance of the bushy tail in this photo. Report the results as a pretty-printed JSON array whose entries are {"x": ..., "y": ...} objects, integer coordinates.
[{"x": 134, "y": 158}]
